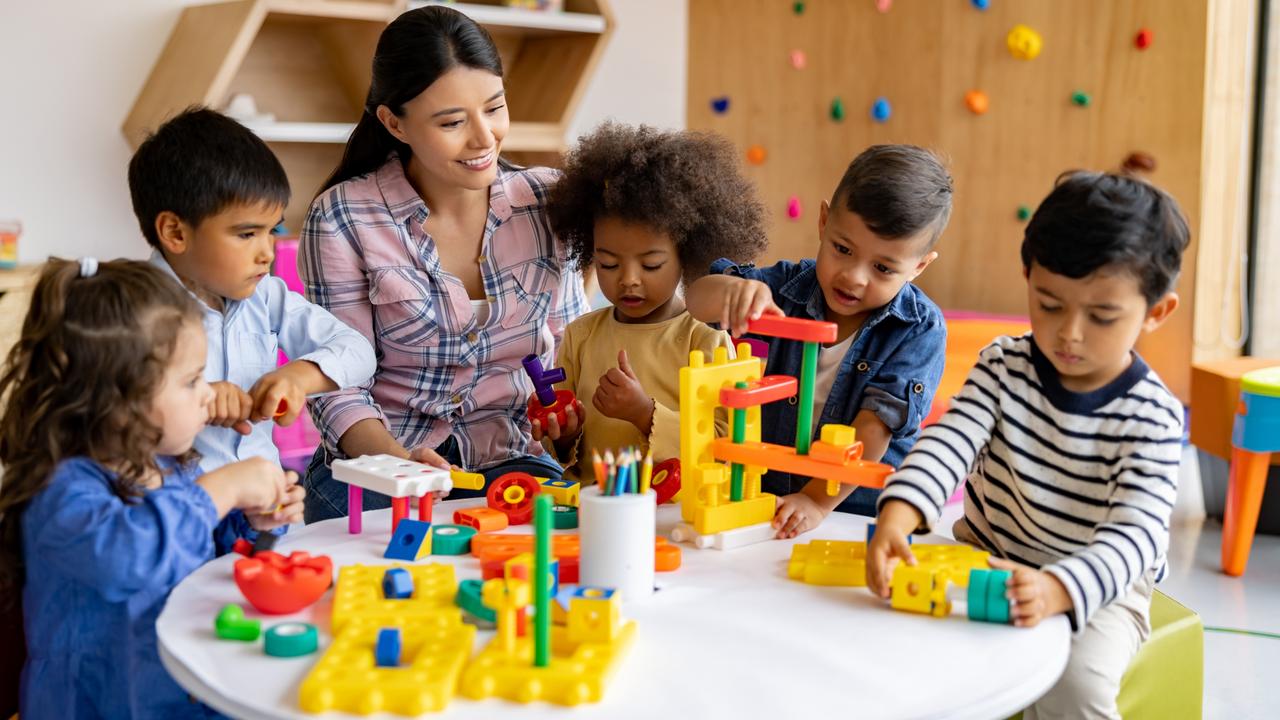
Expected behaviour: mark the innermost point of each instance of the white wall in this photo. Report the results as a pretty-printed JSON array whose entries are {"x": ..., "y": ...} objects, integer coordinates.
[{"x": 66, "y": 86}]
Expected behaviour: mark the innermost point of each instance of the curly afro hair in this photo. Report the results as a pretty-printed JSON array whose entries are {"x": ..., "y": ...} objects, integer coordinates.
[{"x": 687, "y": 185}]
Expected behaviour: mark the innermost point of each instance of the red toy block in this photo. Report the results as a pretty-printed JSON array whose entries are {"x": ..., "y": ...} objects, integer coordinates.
[
  {"x": 666, "y": 480},
  {"x": 767, "y": 389},
  {"x": 483, "y": 519},
  {"x": 564, "y": 400},
  {"x": 512, "y": 495},
  {"x": 277, "y": 585},
  {"x": 790, "y": 328}
]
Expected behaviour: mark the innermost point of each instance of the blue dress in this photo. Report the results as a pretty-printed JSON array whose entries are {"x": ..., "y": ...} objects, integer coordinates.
[{"x": 98, "y": 571}]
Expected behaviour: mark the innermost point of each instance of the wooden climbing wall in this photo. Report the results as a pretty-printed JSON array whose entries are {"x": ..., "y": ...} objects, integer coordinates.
[{"x": 1184, "y": 100}]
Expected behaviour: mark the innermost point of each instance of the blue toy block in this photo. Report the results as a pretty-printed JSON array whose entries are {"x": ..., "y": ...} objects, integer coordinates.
[
  {"x": 1258, "y": 428},
  {"x": 411, "y": 541},
  {"x": 397, "y": 584},
  {"x": 592, "y": 593},
  {"x": 387, "y": 651}
]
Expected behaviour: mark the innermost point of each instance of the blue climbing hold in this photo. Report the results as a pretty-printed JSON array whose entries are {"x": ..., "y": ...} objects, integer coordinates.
[
  {"x": 720, "y": 105},
  {"x": 981, "y": 4},
  {"x": 880, "y": 110}
]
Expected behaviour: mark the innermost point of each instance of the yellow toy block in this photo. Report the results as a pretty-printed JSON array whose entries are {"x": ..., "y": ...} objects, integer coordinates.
[
  {"x": 434, "y": 650},
  {"x": 700, "y": 386},
  {"x": 564, "y": 492},
  {"x": 525, "y": 561},
  {"x": 358, "y": 595},
  {"x": 912, "y": 589},
  {"x": 829, "y": 562},
  {"x": 595, "y": 615},
  {"x": 467, "y": 480},
  {"x": 731, "y": 516}
]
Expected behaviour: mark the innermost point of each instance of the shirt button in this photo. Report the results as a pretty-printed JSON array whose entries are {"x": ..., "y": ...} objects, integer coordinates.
[
  {"x": 863, "y": 366},
  {"x": 472, "y": 337},
  {"x": 456, "y": 399},
  {"x": 918, "y": 388},
  {"x": 491, "y": 298},
  {"x": 480, "y": 259}
]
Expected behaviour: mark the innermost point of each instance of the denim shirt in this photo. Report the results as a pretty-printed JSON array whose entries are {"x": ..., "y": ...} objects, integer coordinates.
[{"x": 892, "y": 367}]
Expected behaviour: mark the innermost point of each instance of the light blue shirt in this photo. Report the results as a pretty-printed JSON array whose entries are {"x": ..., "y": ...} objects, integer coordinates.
[{"x": 244, "y": 341}]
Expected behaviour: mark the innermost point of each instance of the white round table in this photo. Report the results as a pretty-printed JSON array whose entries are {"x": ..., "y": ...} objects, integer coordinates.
[{"x": 727, "y": 636}]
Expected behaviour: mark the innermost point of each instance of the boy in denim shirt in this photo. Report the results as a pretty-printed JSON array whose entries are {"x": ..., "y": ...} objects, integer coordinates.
[{"x": 874, "y": 237}]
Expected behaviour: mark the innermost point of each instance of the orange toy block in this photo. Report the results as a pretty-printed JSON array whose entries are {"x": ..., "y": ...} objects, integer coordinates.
[
  {"x": 767, "y": 389},
  {"x": 494, "y": 549},
  {"x": 483, "y": 519},
  {"x": 785, "y": 459},
  {"x": 790, "y": 328}
]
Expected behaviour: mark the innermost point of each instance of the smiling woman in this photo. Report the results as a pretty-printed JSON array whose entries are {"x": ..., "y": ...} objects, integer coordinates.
[{"x": 439, "y": 251}]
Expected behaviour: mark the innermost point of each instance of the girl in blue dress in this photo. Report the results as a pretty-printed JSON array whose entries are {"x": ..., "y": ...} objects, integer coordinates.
[{"x": 103, "y": 508}]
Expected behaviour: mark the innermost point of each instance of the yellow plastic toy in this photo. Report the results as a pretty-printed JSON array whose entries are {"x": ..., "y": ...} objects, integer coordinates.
[
  {"x": 358, "y": 595},
  {"x": 921, "y": 589},
  {"x": 346, "y": 678},
  {"x": 565, "y": 492},
  {"x": 584, "y": 653},
  {"x": 1024, "y": 43}
]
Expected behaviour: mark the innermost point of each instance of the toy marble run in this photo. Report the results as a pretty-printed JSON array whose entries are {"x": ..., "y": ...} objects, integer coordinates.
[{"x": 721, "y": 502}]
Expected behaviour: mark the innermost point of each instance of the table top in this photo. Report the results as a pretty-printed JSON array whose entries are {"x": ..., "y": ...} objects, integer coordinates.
[{"x": 727, "y": 635}]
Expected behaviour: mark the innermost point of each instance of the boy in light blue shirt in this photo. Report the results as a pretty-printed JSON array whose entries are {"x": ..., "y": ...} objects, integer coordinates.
[{"x": 208, "y": 193}]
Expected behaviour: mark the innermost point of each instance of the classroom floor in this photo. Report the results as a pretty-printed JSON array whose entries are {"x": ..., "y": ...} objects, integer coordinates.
[{"x": 1240, "y": 680}]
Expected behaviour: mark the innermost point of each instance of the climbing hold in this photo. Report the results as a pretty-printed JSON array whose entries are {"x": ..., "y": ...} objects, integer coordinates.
[
  {"x": 1143, "y": 39},
  {"x": 756, "y": 155},
  {"x": 1024, "y": 213},
  {"x": 798, "y": 59},
  {"x": 837, "y": 109},
  {"x": 980, "y": 4},
  {"x": 880, "y": 110},
  {"x": 793, "y": 207},
  {"x": 1139, "y": 162},
  {"x": 1023, "y": 42},
  {"x": 976, "y": 101},
  {"x": 884, "y": 5},
  {"x": 720, "y": 105},
  {"x": 1081, "y": 98},
  {"x": 797, "y": 8}
]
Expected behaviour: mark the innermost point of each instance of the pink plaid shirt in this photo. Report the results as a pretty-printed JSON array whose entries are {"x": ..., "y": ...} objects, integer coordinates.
[{"x": 365, "y": 257}]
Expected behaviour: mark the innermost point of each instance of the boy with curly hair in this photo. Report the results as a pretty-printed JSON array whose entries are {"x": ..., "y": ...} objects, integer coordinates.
[
  {"x": 648, "y": 210},
  {"x": 875, "y": 236}
]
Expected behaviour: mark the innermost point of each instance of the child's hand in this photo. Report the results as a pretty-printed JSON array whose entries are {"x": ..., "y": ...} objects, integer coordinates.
[
  {"x": 621, "y": 396},
  {"x": 561, "y": 435},
  {"x": 889, "y": 544},
  {"x": 230, "y": 407},
  {"x": 744, "y": 301},
  {"x": 1033, "y": 594},
  {"x": 252, "y": 485},
  {"x": 288, "y": 512},
  {"x": 272, "y": 391},
  {"x": 797, "y": 513}
]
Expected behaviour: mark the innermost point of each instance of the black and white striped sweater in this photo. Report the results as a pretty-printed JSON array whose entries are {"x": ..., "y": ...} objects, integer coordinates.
[{"x": 1081, "y": 485}]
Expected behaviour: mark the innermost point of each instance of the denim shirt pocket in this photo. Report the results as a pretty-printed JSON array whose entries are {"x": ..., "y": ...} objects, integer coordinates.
[
  {"x": 403, "y": 312},
  {"x": 528, "y": 294},
  {"x": 250, "y": 355}
]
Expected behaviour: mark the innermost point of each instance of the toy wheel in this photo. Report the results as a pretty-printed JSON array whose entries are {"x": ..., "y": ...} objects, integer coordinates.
[
  {"x": 512, "y": 495},
  {"x": 666, "y": 480}
]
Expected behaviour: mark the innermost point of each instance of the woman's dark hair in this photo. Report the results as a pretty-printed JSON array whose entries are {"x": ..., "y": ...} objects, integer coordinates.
[
  {"x": 413, "y": 52},
  {"x": 688, "y": 185},
  {"x": 80, "y": 382},
  {"x": 1094, "y": 221}
]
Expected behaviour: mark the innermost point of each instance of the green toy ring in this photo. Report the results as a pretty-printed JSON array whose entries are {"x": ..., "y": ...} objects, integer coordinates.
[
  {"x": 449, "y": 539},
  {"x": 291, "y": 639},
  {"x": 564, "y": 517}
]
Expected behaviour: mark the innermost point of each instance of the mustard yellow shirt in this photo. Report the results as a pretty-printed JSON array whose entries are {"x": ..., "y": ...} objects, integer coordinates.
[{"x": 657, "y": 351}]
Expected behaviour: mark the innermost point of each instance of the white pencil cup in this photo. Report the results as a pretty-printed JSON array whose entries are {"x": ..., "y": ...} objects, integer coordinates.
[{"x": 617, "y": 535}]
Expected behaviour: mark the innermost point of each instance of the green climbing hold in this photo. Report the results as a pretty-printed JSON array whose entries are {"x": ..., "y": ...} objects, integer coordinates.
[
  {"x": 837, "y": 109},
  {"x": 1024, "y": 213},
  {"x": 1081, "y": 98},
  {"x": 797, "y": 8}
]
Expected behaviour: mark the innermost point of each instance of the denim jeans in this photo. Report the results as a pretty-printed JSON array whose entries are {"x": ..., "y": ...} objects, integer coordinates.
[{"x": 327, "y": 498}]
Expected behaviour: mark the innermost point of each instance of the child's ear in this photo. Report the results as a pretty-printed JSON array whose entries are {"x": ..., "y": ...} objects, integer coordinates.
[
  {"x": 928, "y": 258},
  {"x": 823, "y": 211},
  {"x": 1160, "y": 311},
  {"x": 391, "y": 122},
  {"x": 172, "y": 232}
]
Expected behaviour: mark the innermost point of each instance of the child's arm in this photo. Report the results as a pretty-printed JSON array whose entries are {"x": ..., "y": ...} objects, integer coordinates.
[
  {"x": 730, "y": 301},
  {"x": 803, "y": 511},
  {"x": 944, "y": 456},
  {"x": 78, "y": 526}
]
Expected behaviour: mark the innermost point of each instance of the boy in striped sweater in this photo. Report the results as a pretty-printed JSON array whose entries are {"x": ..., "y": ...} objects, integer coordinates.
[{"x": 1069, "y": 441}]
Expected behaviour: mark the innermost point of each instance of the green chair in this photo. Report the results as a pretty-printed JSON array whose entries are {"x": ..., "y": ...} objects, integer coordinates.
[{"x": 1166, "y": 677}]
